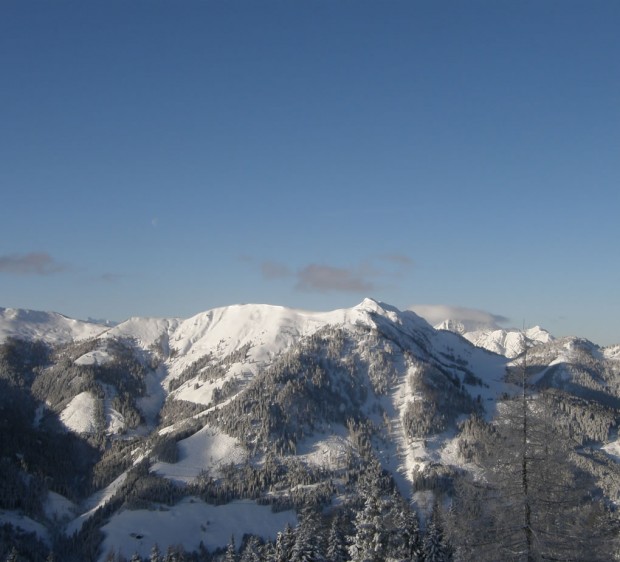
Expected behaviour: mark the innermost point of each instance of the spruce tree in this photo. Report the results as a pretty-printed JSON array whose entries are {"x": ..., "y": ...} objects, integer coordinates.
[
  {"x": 434, "y": 547},
  {"x": 307, "y": 546},
  {"x": 231, "y": 551},
  {"x": 336, "y": 545}
]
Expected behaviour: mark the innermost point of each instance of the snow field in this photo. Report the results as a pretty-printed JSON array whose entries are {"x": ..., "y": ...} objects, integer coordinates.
[
  {"x": 207, "y": 449},
  {"x": 25, "y": 524},
  {"x": 79, "y": 414},
  {"x": 188, "y": 523}
]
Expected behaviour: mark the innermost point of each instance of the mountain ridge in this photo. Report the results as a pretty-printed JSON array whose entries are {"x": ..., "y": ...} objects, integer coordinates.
[{"x": 269, "y": 405}]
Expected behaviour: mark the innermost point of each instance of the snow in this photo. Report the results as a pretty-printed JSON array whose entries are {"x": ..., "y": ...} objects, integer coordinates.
[
  {"x": 24, "y": 523},
  {"x": 188, "y": 523},
  {"x": 150, "y": 404},
  {"x": 201, "y": 391},
  {"x": 326, "y": 450},
  {"x": 96, "y": 357},
  {"x": 79, "y": 415},
  {"x": 613, "y": 449},
  {"x": 50, "y": 327},
  {"x": 146, "y": 332},
  {"x": 58, "y": 507},
  {"x": 206, "y": 449},
  {"x": 612, "y": 352},
  {"x": 93, "y": 503},
  {"x": 267, "y": 329},
  {"x": 508, "y": 343}
]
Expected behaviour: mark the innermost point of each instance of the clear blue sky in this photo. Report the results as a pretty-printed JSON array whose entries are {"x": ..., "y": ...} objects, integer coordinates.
[{"x": 162, "y": 158}]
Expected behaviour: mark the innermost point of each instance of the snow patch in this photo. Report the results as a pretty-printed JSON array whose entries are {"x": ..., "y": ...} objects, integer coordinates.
[
  {"x": 93, "y": 503},
  {"x": 24, "y": 523},
  {"x": 58, "y": 507},
  {"x": 207, "y": 449},
  {"x": 79, "y": 415},
  {"x": 96, "y": 357}
]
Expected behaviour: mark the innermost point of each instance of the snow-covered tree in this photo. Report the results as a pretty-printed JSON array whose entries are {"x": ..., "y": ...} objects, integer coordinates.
[
  {"x": 155, "y": 555},
  {"x": 285, "y": 541},
  {"x": 231, "y": 551},
  {"x": 307, "y": 546},
  {"x": 369, "y": 541},
  {"x": 532, "y": 502},
  {"x": 434, "y": 545},
  {"x": 336, "y": 543}
]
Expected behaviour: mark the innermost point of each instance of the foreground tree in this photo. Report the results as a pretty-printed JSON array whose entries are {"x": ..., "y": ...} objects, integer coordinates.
[{"x": 532, "y": 503}]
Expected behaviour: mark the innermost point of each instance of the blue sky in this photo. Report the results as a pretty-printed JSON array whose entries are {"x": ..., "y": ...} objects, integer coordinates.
[{"x": 162, "y": 158}]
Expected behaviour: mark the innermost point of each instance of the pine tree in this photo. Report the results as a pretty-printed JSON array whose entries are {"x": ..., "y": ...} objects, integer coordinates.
[
  {"x": 251, "y": 550},
  {"x": 370, "y": 538},
  {"x": 231, "y": 551},
  {"x": 405, "y": 542},
  {"x": 336, "y": 545},
  {"x": 307, "y": 546},
  {"x": 155, "y": 555},
  {"x": 285, "y": 541},
  {"x": 434, "y": 546}
]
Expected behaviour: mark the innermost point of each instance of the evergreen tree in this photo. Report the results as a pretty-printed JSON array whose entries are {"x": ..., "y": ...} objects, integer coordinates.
[
  {"x": 434, "y": 546},
  {"x": 336, "y": 545},
  {"x": 405, "y": 542},
  {"x": 251, "y": 550},
  {"x": 368, "y": 544},
  {"x": 285, "y": 541},
  {"x": 307, "y": 546},
  {"x": 155, "y": 555},
  {"x": 231, "y": 551}
]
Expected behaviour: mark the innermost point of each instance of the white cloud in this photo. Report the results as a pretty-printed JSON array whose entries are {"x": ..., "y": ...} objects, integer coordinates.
[{"x": 437, "y": 313}]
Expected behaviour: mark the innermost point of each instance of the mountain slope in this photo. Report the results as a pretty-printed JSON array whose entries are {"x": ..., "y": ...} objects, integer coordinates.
[
  {"x": 259, "y": 405},
  {"x": 50, "y": 327}
]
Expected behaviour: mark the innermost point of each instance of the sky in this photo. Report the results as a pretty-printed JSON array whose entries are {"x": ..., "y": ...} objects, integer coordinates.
[{"x": 160, "y": 158}]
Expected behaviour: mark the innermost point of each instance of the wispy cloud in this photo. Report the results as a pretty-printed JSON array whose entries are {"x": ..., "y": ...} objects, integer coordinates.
[
  {"x": 325, "y": 278},
  {"x": 436, "y": 313},
  {"x": 34, "y": 263},
  {"x": 274, "y": 270},
  {"x": 398, "y": 259},
  {"x": 110, "y": 277}
]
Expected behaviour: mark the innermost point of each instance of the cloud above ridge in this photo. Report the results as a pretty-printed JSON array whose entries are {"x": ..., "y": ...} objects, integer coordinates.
[
  {"x": 437, "y": 313},
  {"x": 364, "y": 277}
]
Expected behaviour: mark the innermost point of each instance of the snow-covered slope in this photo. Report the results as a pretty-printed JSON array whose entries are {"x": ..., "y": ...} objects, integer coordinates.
[
  {"x": 50, "y": 327},
  {"x": 266, "y": 329},
  {"x": 250, "y": 405}
]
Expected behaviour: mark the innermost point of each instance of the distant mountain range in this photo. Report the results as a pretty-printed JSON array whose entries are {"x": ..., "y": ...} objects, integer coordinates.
[{"x": 242, "y": 420}]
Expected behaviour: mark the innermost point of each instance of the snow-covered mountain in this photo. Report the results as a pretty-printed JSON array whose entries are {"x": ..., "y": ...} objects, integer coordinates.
[
  {"x": 50, "y": 327},
  {"x": 186, "y": 430},
  {"x": 508, "y": 342}
]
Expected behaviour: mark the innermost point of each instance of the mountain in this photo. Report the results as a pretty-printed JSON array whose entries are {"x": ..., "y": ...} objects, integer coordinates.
[
  {"x": 50, "y": 327},
  {"x": 249, "y": 418},
  {"x": 508, "y": 342}
]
